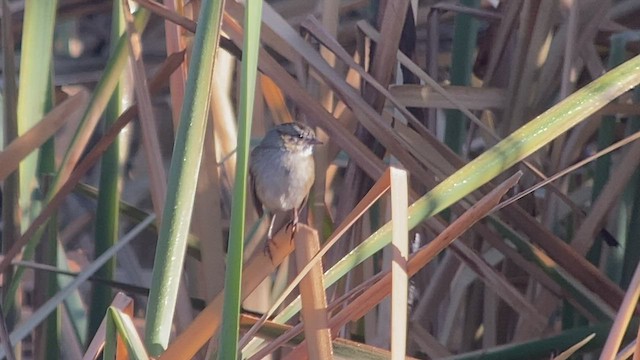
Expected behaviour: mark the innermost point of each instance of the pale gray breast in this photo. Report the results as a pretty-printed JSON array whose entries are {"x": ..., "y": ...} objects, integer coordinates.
[{"x": 282, "y": 182}]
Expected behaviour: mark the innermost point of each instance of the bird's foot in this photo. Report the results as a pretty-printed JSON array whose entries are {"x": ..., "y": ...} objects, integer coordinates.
[
  {"x": 293, "y": 226},
  {"x": 290, "y": 226},
  {"x": 267, "y": 248}
]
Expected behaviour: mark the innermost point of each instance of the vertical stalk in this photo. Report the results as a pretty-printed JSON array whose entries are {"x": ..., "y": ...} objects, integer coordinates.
[
  {"x": 11, "y": 188},
  {"x": 183, "y": 175},
  {"x": 106, "y": 231},
  {"x": 233, "y": 276},
  {"x": 464, "y": 43}
]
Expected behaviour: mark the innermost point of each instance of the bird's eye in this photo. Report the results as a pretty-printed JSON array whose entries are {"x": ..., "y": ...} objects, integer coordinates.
[{"x": 300, "y": 136}]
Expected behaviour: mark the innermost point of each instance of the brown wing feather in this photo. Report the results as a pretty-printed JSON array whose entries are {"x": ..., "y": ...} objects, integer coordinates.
[{"x": 256, "y": 200}]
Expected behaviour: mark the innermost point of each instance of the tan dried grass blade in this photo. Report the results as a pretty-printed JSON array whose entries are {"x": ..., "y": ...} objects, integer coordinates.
[
  {"x": 381, "y": 67},
  {"x": 69, "y": 110},
  {"x": 428, "y": 343},
  {"x": 469, "y": 97},
  {"x": 380, "y": 290},
  {"x": 520, "y": 89},
  {"x": 565, "y": 355},
  {"x": 501, "y": 286},
  {"x": 584, "y": 237},
  {"x": 426, "y": 140},
  {"x": 297, "y": 329},
  {"x": 169, "y": 65},
  {"x": 626, "y": 311},
  {"x": 314, "y": 300},
  {"x": 629, "y": 351},
  {"x": 187, "y": 344},
  {"x": 634, "y": 349},
  {"x": 207, "y": 217},
  {"x": 489, "y": 134},
  {"x": 565, "y": 256},
  {"x": 168, "y": 14},
  {"x": 636, "y": 346},
  {"x": 500, "y": 43},
  {"x": 172, "y": 11},
  {"x": 406, "y": 61},
  {"x": 122, "y": 302},
  {"x": 362, "y": 351},
  {"x": 400, "y": 250},
  {"x": 275, "y": 100},
  {"x": 150, "y": 142},
  {"x": 577, "y": 266}
]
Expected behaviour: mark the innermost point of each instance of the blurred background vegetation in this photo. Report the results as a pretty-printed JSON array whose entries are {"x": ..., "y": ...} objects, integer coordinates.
[{"x": 106, "y": 118}]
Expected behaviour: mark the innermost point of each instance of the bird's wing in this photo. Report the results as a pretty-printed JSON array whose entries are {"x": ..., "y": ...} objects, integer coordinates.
[{"x": 256, "y": 200}]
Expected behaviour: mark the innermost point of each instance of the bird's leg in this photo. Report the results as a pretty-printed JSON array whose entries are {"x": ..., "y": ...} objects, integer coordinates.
[
  {"x": 293, "y": 224},
  {"x": 270, "y": 231},
  {"x": 267, "y": 244}
]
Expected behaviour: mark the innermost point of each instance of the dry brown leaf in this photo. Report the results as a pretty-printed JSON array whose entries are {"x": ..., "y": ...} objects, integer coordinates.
[{"x": 70, "y": 109}]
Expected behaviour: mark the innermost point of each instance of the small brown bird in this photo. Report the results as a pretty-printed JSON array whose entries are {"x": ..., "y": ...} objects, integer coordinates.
[{"x": 282, "y": 171}]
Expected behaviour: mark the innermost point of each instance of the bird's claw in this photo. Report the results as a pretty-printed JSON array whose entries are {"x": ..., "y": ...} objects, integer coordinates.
[
  {"x": 293, "y": 225},
  {"x": 267, "y": 248}
]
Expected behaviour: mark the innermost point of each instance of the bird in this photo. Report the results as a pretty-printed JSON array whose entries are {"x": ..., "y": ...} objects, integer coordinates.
[{"x": 282, "y": 171}]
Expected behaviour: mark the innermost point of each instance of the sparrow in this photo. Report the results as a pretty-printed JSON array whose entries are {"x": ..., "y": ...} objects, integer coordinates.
[{"x": 282, "y": 172}]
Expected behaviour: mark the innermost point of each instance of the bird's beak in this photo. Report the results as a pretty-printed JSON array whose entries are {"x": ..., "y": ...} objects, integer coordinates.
[{"x": 315, "y": 141}]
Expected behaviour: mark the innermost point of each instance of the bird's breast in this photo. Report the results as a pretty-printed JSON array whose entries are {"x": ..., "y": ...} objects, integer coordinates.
[{"x": 283, "y": 181}]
